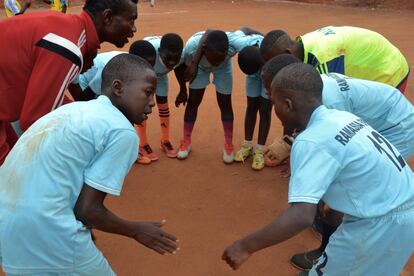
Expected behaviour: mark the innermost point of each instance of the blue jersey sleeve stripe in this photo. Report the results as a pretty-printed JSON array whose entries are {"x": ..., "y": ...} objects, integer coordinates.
[{"x": 336, "y": 65}]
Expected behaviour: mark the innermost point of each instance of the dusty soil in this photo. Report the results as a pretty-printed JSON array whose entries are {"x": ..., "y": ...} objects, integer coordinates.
[
  {"x": 207, "y": 204},
  {"x": 388, "y": 4}
]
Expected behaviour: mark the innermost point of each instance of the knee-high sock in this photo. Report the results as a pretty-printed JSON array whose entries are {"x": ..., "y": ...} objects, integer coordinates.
[
  {"x": 188, "y": 130},
  {"x": 164, "y": 113},
  {"x": 142, "y": 133},
  {"x": 228, "y": 131}
]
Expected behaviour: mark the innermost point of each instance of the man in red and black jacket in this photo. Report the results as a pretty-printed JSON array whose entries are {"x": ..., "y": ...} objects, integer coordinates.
[{"x": 42, "y": 53}]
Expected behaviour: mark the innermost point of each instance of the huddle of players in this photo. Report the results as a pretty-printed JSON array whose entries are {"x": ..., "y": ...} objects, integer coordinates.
[
  {"x": 372, "y": 90},
  {"x": 210, "y": 52}
]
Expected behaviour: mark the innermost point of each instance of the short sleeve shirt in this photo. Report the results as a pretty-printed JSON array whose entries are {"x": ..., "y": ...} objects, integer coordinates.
[
  {"x": 340, "y": 159},
  {"x": 83, "y": 142},
  {"x": 191, "y": 46}
]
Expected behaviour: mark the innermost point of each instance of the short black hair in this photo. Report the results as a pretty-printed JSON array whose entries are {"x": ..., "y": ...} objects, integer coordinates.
[
  {"x": 274, "y": 65},
  {"x": 270, "y": 40},
  {"x": 124, "y": 67},
  {"x": 217, "y": 41},
  {"x": 172, "y": 42},
  {"x": 94, "y": 7},
  {"x": 299, "y": 78},
  {"x": 250, "y": 60},
  {"x": 143, "y": 48}
]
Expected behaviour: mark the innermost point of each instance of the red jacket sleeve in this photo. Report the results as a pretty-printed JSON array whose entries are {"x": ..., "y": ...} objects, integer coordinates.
[{"x": 51, "y": 74}]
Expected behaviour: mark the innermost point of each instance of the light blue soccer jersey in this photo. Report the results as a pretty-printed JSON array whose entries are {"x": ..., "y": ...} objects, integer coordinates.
[
  {"x": 239, "y": 40},
  {"x": 83, "y": 142},
  {"x": 254, "y": 85},
  {"x": 343, "y": 161},
  {"x": 93, "y": 77},
  {"x": 382, "y": 106},
  {"x": 191, "y": 46}
]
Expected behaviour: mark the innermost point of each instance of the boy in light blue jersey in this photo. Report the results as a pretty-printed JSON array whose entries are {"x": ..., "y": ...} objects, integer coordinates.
[
  {"x": 54, "y": 181},
  {"x": 340, "y": 159},
  {"x": 250, "y": 63},
  {"x": 169, "y": 49},
  {"x": 383, "y": 107},
  {"x": 208, "y": 53}
]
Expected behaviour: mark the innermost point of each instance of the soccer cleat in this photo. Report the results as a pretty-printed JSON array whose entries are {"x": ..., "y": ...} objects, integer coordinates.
[
  {"x": 305, "y": 261},
  {"x": 168, "y": 149},
  {"x": 152, "y": 3},
  {"x": 184, "y": 151},
  {"x": 243, "y": 153},
  {"x": 146, "y": 150},
  {"x": 258, "y": 160},
  {"x": 143, "y": 160},
  {"x": 228, "y": 153}
]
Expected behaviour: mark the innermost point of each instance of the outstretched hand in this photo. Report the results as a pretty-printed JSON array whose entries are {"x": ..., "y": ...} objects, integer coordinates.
[{"x": 152, "y": 236}]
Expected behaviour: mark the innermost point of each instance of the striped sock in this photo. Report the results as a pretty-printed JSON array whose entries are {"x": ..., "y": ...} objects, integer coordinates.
[{"x": 164, "y": 113}]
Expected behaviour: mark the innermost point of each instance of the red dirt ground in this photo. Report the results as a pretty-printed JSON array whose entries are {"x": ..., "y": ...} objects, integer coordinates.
[{"x": 207, "y": 204}]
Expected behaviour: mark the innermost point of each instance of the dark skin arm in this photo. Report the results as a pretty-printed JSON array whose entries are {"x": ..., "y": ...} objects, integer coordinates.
[
  {"x": 250, "y": 31},
  {"x": 90, "y": 210},
  {"x": 298, "y": 217},
  {"x": 191, "y": 70},
  {"x": 182, "y": 95},
  {"x": 81, "y": 95}
]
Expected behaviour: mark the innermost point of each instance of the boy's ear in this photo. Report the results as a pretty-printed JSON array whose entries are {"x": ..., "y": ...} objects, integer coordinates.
[
  {"x": 107, "y": 16},
  {"x": 289, "y": 105},
  {"x": 117, "y": 88}
]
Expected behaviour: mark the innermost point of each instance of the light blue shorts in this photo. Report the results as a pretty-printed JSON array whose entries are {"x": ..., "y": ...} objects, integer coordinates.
[
  {"x": 379, "y": 246},
  {"x": 162, "y": 86},
  {"x": 223, "y": 78},
  {"x": 99, "y": 266},
  {"x": 402, "y": 136},
  {"x": 255, "y": 87}
]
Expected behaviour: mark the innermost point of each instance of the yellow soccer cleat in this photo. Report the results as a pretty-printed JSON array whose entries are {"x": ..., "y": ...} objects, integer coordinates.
[
  {"x": 258, "y": 160},
  {"x": 243, "y": 153}
]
